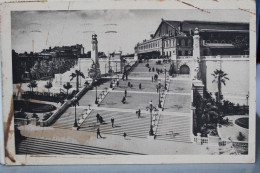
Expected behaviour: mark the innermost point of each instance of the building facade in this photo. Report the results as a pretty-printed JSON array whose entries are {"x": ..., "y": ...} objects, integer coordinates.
[{"x": 202, "y": 46}]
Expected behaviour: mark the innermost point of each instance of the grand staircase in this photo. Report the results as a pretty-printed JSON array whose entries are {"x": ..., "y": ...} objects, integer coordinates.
[
  {"x": 47, "y": 147},
  {"x": 127, "y": 122}
]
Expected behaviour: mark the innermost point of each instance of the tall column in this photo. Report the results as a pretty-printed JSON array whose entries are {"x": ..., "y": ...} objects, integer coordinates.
[
  {"x": 94, "y": 50},
  {"x": 196, "y": 73},
  {"x": 94, "y": 71},
  {"x": 196, "y": 54}
]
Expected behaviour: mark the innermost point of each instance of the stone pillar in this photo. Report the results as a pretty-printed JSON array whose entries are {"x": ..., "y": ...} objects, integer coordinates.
[
  {"x": 94, "y": 50},
  {"x": 196, "y": 54},
  {"x": 199, "y": 139},
  {"x": 135, "y": 57},
  {"x": 198, "y": 86},
  {"x": 194, "y": 118}
]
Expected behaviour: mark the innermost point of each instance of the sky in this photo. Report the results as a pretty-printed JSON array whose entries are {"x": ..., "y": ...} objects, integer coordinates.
[{"x": 37, "y": 30}]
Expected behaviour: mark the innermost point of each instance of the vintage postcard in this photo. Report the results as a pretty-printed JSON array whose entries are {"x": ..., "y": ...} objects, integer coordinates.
[{"x": 155, "y": 82}]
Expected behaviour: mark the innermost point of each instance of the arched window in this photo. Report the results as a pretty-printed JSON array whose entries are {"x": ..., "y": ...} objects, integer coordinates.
[
  {"x": 215, "y": 41},
  {"x": 208, "y": 41},
  {"x": 184, "y": 69},
  {"x": 223, "y": 41}
]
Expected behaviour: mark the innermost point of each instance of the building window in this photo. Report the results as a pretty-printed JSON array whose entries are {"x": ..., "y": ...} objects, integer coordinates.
[
  {"x": 186, "y": 53},
  {"x": 179, "y": 53},
  {"x": 189, "y": 42},
  {"x": 215, "y": 41},
  {"x": 223, "y": 41},
  {"x": 183, "y": 42}
]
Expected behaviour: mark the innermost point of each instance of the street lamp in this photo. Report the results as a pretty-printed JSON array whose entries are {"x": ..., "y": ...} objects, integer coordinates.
[
  {"x": 247, "y": 96},
  {"x": 96, "y": 102},
  {"x": 165, "y": 76},
  {"x": 75, "y": 103},
  {"x": 159, "y": 88},
  {"x": 151, "y": 108}
]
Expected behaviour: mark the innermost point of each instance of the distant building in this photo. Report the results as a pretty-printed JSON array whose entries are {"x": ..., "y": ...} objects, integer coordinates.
[{"x": 44, "y": 64}]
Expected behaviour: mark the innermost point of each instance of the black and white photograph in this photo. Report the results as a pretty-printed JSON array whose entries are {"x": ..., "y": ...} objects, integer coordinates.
[{"x": 153, "y": 81}]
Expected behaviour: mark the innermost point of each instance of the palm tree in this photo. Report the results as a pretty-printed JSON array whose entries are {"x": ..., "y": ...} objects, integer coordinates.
[
  {"x": 220, "y": 78},
  {"x": 209, "y": 112},
  {"x": 67, "y": 86},
  {"x": 48, "y": 86},
  {"x": 77, "y": 74},
  {"x": 32, "y": 85}
]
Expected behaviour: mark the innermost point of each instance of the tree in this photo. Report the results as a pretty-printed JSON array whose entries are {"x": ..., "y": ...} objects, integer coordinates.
[
  {"x": 77, "y": 74},
  {"x": 67, "y": 86},
  {"x": 220, "y": 78},
  {"x": 48, "y": 86},
  {"x": 32, "y": 85}
]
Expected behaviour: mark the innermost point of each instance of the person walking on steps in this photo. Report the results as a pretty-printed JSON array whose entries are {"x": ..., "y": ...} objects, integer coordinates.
[
  {"x": 98, "y": 133},
  {"x": 140, "y": 86},
  {"x": 138, "y": 113},
  {"x": 112, "y": 121},
  {"x": 124, "y": 135},
  {"x": 125, "y": 93},
  {"x": 124, "y": 100},
  {"x": 98, "y": 117}
]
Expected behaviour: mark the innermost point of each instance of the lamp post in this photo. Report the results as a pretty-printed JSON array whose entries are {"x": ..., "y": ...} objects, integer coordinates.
[
  {"x": 247, "y": 96},
  {"x": 151, "y": 108},
  {"x": 96, "y": 102},
  {"x": 75, "y": 103},
  {"x": 159, "y": 88},
  {"x": 165, "y": 76}
]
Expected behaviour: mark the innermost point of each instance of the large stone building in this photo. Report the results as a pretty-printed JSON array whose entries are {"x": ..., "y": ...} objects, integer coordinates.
[{"x": 202, "y": 46}]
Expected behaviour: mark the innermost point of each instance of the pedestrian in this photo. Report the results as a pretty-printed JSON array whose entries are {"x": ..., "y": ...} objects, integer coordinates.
[
  {"x": 112, "y": 121},
  {"x": 149, "y": 69},
  {"x": 98, "y": 133},
  {"x": 98, "y": 116},
  {"x": 126, "y": 76},
  {"x": 125, "y": 93},
  {"x": 140, "y": 86},
  {"x": 128, "y": 84},
  {"x": 152, "y": 78},
  {"x": 117, "y": 83},
  {"x": 124, "y": 135},
  {"x": 101, "y": 120},
  {"x": 138, "y": 112},
  {"x": 131, "y": 86},
  {"x": 123, "y": 100},
  {"x": 153, "y": 69}
]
